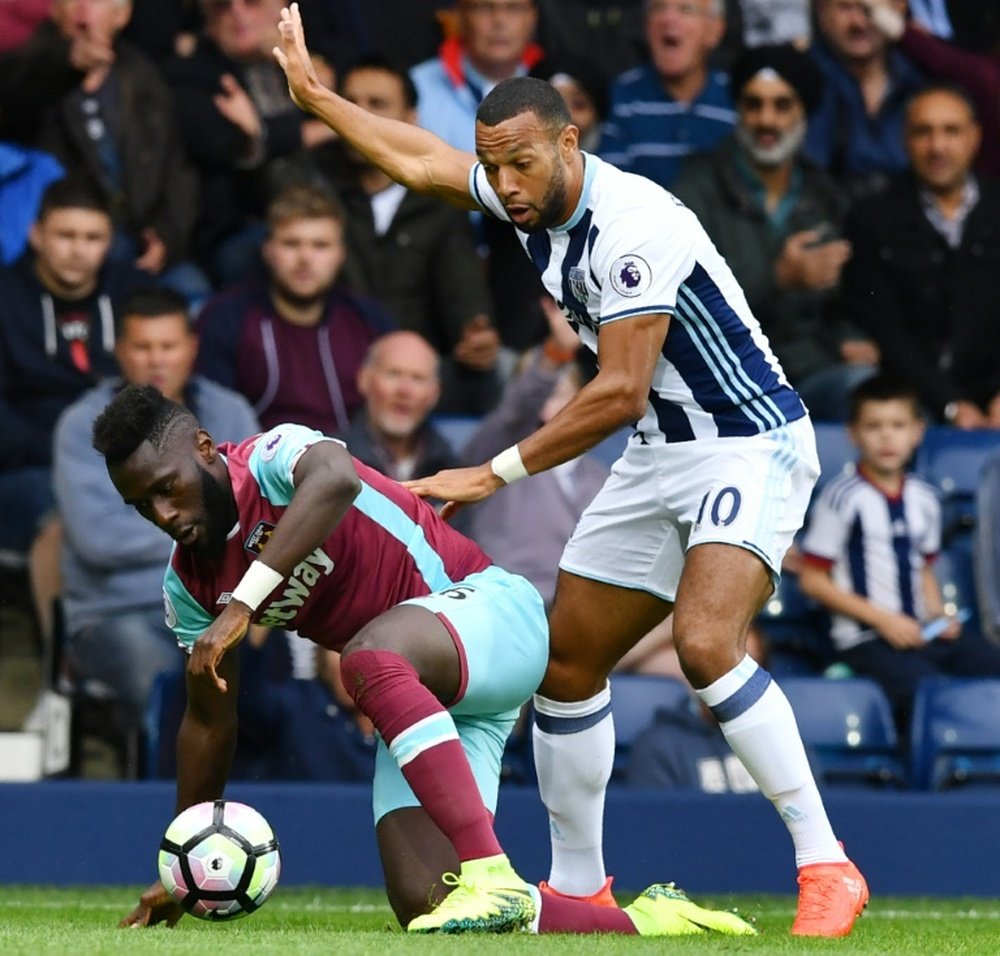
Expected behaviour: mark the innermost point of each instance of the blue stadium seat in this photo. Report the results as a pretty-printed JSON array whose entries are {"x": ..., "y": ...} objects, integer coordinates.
[
  {"x": 635, "y": 699},
  {"x": 161, "y": 721},
  {"x": 848, "y": 725},
  {"x": 835, "y": 449},
  {"x": 797, "y": 630},
  {"x": 955, "y": 573},
  {"x": 951, "y": 460},
  {"x": 955, "y": 735},
  {"x": 986, "y": 560}
]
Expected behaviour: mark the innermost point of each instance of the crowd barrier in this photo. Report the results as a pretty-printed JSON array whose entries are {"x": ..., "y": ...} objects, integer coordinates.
[{"x": 944, "y": 844}]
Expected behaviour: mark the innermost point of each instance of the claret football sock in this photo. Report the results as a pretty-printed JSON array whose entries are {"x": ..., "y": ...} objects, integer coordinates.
[{"x": 423, "y": 740}]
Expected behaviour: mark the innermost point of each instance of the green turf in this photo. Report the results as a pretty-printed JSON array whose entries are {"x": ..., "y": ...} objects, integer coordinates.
[{"x": 334, "y": 922}]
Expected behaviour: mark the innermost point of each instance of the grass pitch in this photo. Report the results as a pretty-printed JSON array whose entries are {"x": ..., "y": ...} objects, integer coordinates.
[{"x": 325, "y": 921}]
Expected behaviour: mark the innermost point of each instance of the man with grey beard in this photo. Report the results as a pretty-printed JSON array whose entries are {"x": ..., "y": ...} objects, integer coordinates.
[{"x": 776, "y": 219}]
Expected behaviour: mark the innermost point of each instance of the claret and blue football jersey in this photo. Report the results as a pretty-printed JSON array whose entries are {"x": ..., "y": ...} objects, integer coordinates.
[{"x": 389, "y": 547}]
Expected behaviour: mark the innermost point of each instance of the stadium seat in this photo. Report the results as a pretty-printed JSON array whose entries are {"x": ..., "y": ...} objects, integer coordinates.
[
  {"x": 95, "y": 713},
  {"x": 955, "y": 573},
  {"x": 835, "y": 449},
  {"x": 955, "y": 735},
  {"x": 952, "y": 460},
  {"x": 797, "y": 630},
  {"x": 848, "y": 725},
  {"x": 635, "y": 699},
  {"x": 986, "y": 561},
  {"x": 162, "y": 720}
]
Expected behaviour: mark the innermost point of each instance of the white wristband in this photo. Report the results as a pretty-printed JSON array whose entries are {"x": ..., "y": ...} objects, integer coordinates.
[
  {"x": 258, "y": 582},
  {"x": 508, "y": 467}
]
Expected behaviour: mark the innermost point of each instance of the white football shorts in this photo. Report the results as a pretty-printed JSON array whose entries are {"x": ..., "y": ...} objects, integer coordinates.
[{"x": 662, "y": 499}]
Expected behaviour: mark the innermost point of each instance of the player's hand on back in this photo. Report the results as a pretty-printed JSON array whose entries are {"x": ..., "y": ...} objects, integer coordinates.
[
  {"x": 226, "y": 631},
  {"x": 456, "y": 486},
  {"x": 154, "y": 906}
]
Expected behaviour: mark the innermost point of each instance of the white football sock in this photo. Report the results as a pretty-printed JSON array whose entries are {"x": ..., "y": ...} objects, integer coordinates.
[
  {"x": 574, "y": 750},
  {"x": 759, "y": 725}
]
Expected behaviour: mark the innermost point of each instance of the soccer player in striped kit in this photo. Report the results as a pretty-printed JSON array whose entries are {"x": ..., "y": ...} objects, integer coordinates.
[{"x": 700, "y": 509}]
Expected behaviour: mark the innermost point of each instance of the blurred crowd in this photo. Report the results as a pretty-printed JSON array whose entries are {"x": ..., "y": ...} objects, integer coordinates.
[{"x": 169, "y": 217}]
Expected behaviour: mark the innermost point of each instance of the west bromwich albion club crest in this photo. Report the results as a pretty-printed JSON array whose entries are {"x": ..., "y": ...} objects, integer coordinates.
[
  {"x": 578, "y": 284},
  {"x": 259, "y": 537}
]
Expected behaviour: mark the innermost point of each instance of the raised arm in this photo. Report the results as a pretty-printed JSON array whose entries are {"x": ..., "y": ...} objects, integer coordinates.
[{"x": 410, "y": 155}]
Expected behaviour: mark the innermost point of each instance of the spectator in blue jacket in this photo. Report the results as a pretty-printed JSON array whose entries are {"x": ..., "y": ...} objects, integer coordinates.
[{"x": 493, "y": 42}]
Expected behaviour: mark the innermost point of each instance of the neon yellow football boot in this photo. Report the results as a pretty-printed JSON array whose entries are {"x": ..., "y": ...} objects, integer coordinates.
[
  {"x": 489, "y": 897},
  {"x": 665, "y": 910}
]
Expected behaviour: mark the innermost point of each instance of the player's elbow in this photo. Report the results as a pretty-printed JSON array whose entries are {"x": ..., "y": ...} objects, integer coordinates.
[
  {"x": 620, "y": 397},
  {"x": 345, "y": 485},
  {"x": 626, "y": 404}
]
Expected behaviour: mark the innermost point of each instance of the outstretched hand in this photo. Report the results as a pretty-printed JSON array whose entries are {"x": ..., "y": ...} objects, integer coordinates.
[
  {"x": 155, "y": 906},
  {"x": 456, "y": 486},
  {"x": 293, "y": 57}
]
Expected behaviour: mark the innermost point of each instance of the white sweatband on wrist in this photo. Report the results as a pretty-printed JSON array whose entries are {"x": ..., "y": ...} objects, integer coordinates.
[
  {"x": 508, "y": 467},
  {"x": 258, "y": 582}
]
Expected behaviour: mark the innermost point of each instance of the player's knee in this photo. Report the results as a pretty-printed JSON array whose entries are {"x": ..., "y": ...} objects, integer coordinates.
[
  {"x": 372, "y": 637},
  {"x": 567, "y": 679},
  {"x": 704, "y": 656}
]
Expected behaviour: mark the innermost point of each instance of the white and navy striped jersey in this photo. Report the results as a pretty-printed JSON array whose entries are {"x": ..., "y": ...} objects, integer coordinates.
[
  {"x": 631, "y": 248},
  {"x": 874, "y": 545}
]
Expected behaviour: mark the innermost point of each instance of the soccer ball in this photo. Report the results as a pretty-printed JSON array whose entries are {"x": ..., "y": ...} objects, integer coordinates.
[{"x": 219, "y": 860}]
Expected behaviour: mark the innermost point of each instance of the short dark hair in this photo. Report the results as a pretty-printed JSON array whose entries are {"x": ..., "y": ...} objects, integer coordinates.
[
  {"x": 524, "y": 94},
  {"x": 883, "y": 387},
  {"x": 382, "y": 64},
  {"x": 150, "y": 302},
  {"x": 959, "y": 92},
  {"x": 136, "y": 414},
  {"x": 72, "y": 192}
]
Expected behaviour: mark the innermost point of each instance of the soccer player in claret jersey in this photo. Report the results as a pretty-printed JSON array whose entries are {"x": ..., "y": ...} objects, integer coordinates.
[
  {"x": 439, "y": 648},
  {"x": 699, "y": 511}
]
